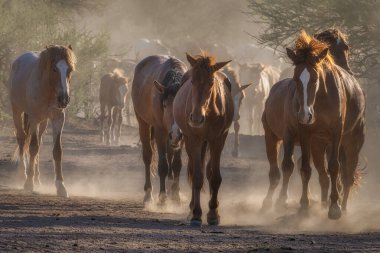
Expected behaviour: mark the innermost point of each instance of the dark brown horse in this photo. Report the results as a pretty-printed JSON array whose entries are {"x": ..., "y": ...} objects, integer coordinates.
[
  {"x": 112, "y": 95},
  {"x": 203, "y": 109},
  {"x": 238, "y": 94},
  {"x": 155, "y": 84},
  {"x": 274, "y": 110},
  {"x": 323, "y": 105}
]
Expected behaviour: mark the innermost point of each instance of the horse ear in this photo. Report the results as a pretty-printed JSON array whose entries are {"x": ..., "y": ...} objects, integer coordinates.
[
  {"x": 159, "y": 86},
  {"x": 70, "y": 47},
  {"x": 292, "y": 56},
  {"x": 245, "y": 86},
  {"x": 191, "y": 59},
  {"x": 219, "y": 65},
  {"x": 322, "y": 54}
]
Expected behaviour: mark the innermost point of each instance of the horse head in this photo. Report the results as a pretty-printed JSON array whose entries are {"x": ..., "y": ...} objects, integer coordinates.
[
  {"x": 203, "y": 82},
  {"x": 307, "y": 58},
  {"x": 58, "y": 63}
]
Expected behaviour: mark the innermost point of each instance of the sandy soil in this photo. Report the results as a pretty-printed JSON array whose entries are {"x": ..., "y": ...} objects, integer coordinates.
[{"x": 105, "y": 212}]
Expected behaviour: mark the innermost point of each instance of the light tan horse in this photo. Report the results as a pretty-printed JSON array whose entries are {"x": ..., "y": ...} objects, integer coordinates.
[
  {"x": 238, "y": 95},
  {"x": 203, "y": 109},
  {"x": 112, "y": 96},
  {"x": 39, "y": 87}
]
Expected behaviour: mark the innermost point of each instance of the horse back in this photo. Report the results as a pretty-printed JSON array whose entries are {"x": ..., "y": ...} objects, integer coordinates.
[
  {"x": 355, "y": 100},
  {"x": 274, "y": 110}
]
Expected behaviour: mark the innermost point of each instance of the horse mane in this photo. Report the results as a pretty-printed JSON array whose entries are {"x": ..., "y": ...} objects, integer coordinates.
[
  {"x": 118, "y": 74},
  {"x": 173, "y": 78},
  {"x": 308, "y": 48},
  {"x": 204, "y": 61},
  {"x": 332, "y": 35},
  {"x": 54, "y": 53}
]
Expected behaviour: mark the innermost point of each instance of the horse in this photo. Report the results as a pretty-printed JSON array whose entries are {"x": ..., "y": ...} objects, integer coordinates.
[
  {"x": 238, "y": 94},
  {"x": 274, "y": 127},
  {"x": 156, "y": 81},
  {"x": 323, "y": 105},
  {"x": 112, "y": 96},
  {"x": 39, "y": 88},
  {"x": 338, "y": 46},
  {"x": 203, "y": 110},
  {"x": 263, "y": 77}
]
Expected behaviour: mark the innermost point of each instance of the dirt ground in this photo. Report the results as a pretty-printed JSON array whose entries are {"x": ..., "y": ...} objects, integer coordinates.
[{"x": 104, "y": 212}]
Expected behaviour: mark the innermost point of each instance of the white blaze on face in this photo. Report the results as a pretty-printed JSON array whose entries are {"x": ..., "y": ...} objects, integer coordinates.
[
  {"x": 237, "y": 98},
  {"x": 62, "y": 67},
  {"x": 305, "y": 78}
]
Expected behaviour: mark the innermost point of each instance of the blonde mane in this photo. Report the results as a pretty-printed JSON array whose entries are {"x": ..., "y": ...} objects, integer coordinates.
[
  {"x": 308, "y": 48},
  {"x": 118, "y": 74}
]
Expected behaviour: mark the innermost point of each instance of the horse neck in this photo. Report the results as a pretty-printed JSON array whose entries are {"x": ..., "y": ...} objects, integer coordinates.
[{"x": 216, "y": 104}]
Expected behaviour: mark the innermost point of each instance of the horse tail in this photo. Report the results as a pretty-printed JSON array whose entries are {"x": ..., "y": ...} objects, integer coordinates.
[
  {"x": 20, "y": 152},
  {"x": 359, "y": 172},
  {"x": 154, "y": 163}
]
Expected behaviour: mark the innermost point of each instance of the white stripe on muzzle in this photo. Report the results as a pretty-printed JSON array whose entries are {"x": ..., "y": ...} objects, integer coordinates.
[{"x": 62, "y": 67}]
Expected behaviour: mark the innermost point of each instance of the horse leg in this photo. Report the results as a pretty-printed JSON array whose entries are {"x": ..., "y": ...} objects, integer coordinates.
[
  {"x": 108, "y": 126},
  {"x": 197, "y": 152},
  {"x": 272, "y": 149},
  {"x": 41, "y": 131},
  {"x": 21, "y": 139},
  {"x": 287, "y": 168},
  {"x": 145, "y": 137},
  {"x": 170, "y": 155},
  {"x": 57, "y": 122},
  {"x": 318, "y": 151},
  {"x": 113, "y": 123},
  {"x": 305, "y": 169},
  {"x": 102, "y": 118},
  {"x": 352, "y": 146},
  {"x": 33, "y": 152},
  {"x": 235, "y": 151},
  {"x": 128, "y": 110},
  {"x": 176, "y": 167},
  {"x": 119, "y": 122},
  {"x": 333, "y": 167},
  {"x": 215, "y": 179},
  {"x": 161, "y": 140}
]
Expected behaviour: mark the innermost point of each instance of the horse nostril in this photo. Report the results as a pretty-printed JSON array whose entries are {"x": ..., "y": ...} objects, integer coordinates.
[
  {"x": 170, "y": 136},
  {"x": 310, "y": 117}
]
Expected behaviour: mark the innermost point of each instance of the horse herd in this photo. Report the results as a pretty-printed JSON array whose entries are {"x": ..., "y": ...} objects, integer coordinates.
[{"x": 320, "y": 108}]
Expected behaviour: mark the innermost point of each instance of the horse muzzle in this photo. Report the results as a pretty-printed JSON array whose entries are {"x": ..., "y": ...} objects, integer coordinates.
[
  {"x": 63, "y": 101},
  {"x": 175, "y": 139},
  {"x": 306, "y": 118},
  {"x": 196, "y": 121}
]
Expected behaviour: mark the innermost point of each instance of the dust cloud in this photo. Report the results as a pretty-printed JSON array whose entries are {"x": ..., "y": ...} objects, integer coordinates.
[{"x": 92, "y": 169}]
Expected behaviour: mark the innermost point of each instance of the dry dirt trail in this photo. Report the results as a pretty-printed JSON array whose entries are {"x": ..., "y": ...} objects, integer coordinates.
[{"x": 105, "y": 213}]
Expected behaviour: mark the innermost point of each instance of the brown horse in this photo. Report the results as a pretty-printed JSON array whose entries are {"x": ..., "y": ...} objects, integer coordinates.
[
  {"x": 238, "y": 94},
  {"x": 203, "y": 109},
  {"x": 323, "y": 105},
  {"x": 112, "y": 95},
  {"x": 40, "y": 91},
  {"x": 273, "y": 121},
  {"x": 155, "y": 84}
]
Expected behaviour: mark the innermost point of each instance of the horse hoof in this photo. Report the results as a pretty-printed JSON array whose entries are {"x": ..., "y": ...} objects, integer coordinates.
[
  {"x": 281, "y": 204},
  {"x": 61, "y": 189},
  {"x": 213, "y": 218},
  {"x": 28, "y": 185},
  {"x": 162, "y": 199},
  {"x": 196, "y": 222},
  {"x": 37, "y": 181},
  {"x": 267, "y": 204},
  {"x": 148, "y": 198},
  {"x": 334, "y": 212}
]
